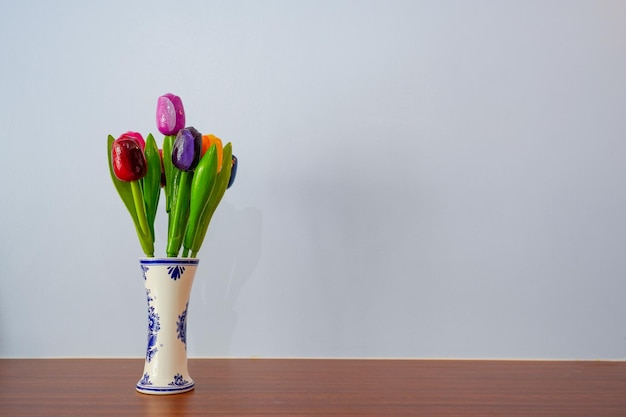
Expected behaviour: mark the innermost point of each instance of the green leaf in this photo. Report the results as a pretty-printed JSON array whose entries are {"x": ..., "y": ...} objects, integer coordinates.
[
  {"x": 221, "y": 182},
  {"x": 122, "y": 187},
  {"x": 125, "y": 191},
  {"x": 201, "y": 188},
  {"x": 143, "y": 230},
  {"x": 152, "y": 182}
]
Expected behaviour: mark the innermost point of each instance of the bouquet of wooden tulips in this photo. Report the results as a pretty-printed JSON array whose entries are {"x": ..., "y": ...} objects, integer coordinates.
[{"x": 194, "y": 171}]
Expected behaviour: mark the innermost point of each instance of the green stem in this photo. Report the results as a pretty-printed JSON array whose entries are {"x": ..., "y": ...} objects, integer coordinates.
[
  {"x": 139, "y": 207},
  {"x": 179, "y": 213},
  {"x": 167, "y": 166}
]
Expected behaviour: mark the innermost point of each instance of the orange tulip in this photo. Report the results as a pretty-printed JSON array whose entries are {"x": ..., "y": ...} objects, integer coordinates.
[{"x": 214, "y": 140}]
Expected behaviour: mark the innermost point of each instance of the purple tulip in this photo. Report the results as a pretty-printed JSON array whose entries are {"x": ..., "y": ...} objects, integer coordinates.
[
  {"x": 186, "y": 149},
  {"x": 170, "y": 114}
]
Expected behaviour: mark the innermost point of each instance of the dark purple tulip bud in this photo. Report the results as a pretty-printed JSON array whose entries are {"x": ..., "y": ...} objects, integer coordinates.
[
  {"x": 233, "y": 172},
  {"x": 170, "y": 114},
  {"x": 186, "y": 149}
]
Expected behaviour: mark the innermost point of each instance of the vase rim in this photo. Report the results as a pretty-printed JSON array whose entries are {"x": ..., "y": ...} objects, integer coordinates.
[{"x": 170, "y": 261}]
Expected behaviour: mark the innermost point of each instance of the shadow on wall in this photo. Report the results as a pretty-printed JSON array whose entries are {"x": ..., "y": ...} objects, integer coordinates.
[{"x": 225, "y": 267}]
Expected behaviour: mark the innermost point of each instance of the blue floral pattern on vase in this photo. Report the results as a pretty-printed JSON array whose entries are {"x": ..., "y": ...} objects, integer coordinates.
[
  {"x": 175, "y": 272},
  {"x": 153, "y": 328},
  {"x": 145, "y": 380},
  {"x": 178, "y": 381},
  {"x": 144, "y": 269},
  {"x": 181, "y": 326}
]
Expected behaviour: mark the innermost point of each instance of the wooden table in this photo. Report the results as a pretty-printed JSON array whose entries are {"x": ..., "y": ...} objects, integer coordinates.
[{"x": 315, "y": 387}]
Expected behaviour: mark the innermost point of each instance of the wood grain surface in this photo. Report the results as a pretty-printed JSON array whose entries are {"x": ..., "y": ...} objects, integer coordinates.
[{"x": 318, "y": 387}]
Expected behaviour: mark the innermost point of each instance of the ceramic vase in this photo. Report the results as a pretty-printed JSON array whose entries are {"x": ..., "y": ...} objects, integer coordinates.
[{"x": 168, "y": 283}]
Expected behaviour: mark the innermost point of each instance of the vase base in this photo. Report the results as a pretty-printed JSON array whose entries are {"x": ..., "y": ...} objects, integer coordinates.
[{"x": 165, "y": 390}]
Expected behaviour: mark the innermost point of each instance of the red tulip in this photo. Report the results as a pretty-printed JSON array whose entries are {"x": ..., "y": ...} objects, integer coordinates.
[{"x": 128, "y": 160}]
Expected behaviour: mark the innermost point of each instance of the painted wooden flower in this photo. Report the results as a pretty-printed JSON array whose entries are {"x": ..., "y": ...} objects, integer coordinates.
[
  {"x": 128, "y": 158},
  {"x": 170, "y": 114},
  {"x": 207, "y": 141},
  {"x": 136, "y": 136},
  {"x": 187, "y": 148},
  {"x": 233, "y": 172}
]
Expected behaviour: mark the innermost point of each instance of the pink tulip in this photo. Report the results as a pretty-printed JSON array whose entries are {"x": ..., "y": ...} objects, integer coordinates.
[
  {"x": 170, "y": 114},
  {"x": 136, "y": 136}
]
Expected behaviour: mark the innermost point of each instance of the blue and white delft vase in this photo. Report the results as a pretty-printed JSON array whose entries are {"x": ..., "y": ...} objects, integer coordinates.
[{"x": 168, "y": 284}]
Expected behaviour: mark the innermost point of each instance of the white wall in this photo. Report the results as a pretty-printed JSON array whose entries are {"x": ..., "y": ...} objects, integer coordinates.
[{"x": 417, "y": 178}]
